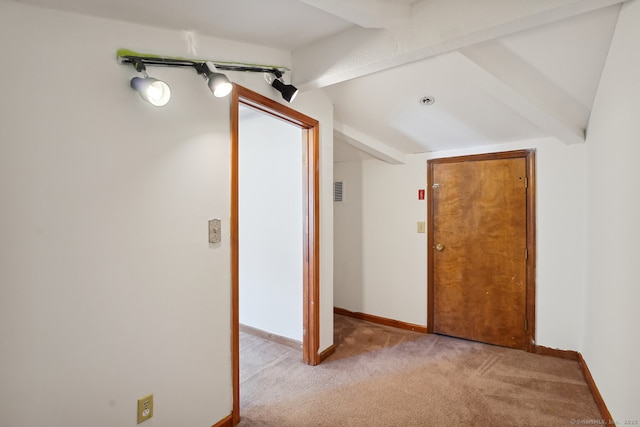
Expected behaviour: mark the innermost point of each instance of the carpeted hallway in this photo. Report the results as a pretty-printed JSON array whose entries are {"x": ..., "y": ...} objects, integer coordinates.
[{"x": 383, "y": 376}]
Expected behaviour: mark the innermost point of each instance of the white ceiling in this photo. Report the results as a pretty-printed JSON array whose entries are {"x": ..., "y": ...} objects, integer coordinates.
[
  {"x": 564, "y": 58},
  {"x": 500, "y": 72}
]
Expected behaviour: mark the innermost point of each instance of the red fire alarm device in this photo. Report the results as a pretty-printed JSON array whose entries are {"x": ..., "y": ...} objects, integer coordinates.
[{"x": 420, "y": 194}]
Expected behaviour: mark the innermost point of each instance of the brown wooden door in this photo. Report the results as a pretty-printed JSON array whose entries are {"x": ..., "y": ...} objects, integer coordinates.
[{"x": 478, "y": 256}]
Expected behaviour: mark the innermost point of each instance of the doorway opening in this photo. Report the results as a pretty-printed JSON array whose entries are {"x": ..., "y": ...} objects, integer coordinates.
[
  {"x": 270, "y": 229},
  {"x": 310, "y": 224}
]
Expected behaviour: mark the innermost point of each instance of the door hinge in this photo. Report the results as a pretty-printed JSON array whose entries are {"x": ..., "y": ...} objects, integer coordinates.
[
  {"x": 526, "y": 254},
  {"x": 435, "y": 186},
  {"x": 526, "y": 324},
  {"x": 526, "y": 183}
]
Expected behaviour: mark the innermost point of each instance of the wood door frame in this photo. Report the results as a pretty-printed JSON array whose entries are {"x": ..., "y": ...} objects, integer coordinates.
[
  {"x": 530, "y": 159},
  {"x": 311, "y": 225}
]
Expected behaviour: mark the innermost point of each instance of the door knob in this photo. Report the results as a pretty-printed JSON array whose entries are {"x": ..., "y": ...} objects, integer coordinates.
[{"x": 439, "y": 247}]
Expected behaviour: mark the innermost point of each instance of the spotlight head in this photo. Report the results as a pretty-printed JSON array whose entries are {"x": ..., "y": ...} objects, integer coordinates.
[
  {"x": 154, "y": 91},
  {"x": 288, "y": 92},
  {"x": 218, "y": 83}
]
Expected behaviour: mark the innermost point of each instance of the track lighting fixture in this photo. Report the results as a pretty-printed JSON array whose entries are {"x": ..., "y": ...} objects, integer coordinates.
[
  {"x": 157, "y": 92},
  {"x": 218, "y": 83},
  {"x": 288, "y": 92},
  {"x": 154, "y": 91}
]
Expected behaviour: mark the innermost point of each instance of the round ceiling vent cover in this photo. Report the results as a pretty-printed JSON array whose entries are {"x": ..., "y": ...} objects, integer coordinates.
[{"x": 427, "y": 100}]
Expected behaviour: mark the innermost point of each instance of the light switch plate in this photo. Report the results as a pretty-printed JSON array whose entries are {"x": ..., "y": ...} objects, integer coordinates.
[
  {"x": 421, "y": 227},
  {"x": 215, "y": 231}
]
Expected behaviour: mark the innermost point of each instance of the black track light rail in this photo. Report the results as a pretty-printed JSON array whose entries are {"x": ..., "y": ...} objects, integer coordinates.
[{"x": 173, "y": 62}]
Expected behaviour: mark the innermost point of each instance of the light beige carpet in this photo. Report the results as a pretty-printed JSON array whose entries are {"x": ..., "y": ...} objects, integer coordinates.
[{"x": 383, "y": 376}]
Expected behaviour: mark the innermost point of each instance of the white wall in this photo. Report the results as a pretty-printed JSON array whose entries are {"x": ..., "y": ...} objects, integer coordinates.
[
  {"x": 347, "y": 238},
  {"x": 270, "y": 218},
  {"x": 110, "y": 290},
  {"x": 612, "y": 316},
  {"x": 394, "y": 256}
]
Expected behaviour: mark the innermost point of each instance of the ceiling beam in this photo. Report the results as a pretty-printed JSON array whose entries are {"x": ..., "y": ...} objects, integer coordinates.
[
  {"x": 366, "y": 13},
  {"x": 434, "y": 27},
  {"x": 369, "y": 145},
  {"x": 528, "y": 99},
  {"x": 511, "y": 75}
]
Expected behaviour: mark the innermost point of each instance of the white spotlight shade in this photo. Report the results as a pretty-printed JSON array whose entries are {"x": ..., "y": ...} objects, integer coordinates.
[
  {"x": 154, "y": 91},
  {"x": 288, "y": 92},
  {"x": 219, "y": 84}
]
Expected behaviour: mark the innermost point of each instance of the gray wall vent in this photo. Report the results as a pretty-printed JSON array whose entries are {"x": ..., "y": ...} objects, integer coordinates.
[{"x": 338, "y": 195}]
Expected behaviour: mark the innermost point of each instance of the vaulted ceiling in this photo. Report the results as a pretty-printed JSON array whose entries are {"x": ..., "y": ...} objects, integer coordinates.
[{"x": 498, "y": 71}]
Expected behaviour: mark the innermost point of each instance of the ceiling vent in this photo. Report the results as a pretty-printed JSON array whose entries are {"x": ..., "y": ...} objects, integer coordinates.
[
  {"x": 337, "y": 192},
  {"x": 427, "y": 100}
]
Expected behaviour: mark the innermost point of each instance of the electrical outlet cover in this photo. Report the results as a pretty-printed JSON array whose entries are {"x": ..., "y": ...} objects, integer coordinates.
[{"x": 145, "y": 408}]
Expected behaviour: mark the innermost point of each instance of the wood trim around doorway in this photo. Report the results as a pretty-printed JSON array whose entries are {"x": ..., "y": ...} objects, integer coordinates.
[
  {"x": 311, "y": 220},
  {"x": 530, "y": 158}
]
